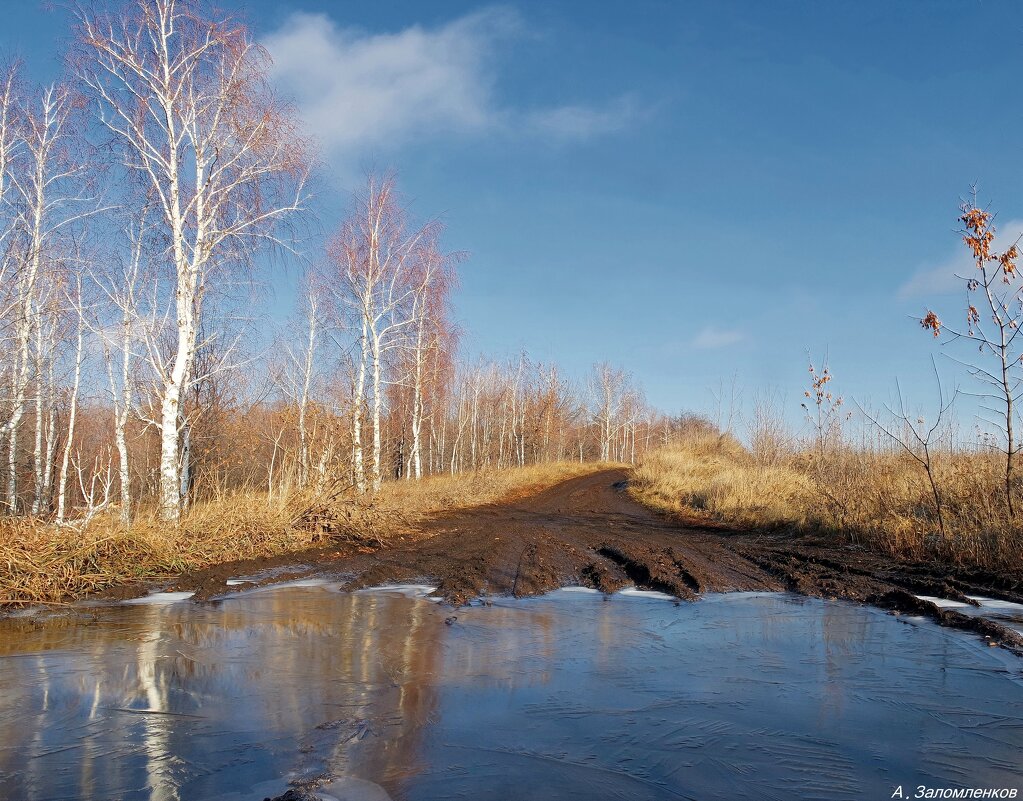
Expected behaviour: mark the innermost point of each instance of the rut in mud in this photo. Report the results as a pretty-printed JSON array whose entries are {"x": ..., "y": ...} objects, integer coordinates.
[{"x": 588, "y": 531}]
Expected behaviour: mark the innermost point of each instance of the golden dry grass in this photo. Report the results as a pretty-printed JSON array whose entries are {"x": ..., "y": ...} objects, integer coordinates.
[
  {"x": 715, "y": 477},
  {"x": 40, "y": 563},
  {"x": 438, "y": 493},
  {"x": 877, "y": 498}
]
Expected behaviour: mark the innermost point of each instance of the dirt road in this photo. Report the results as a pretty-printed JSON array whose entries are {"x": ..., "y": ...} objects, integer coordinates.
[{"x": 588, "y": 531}]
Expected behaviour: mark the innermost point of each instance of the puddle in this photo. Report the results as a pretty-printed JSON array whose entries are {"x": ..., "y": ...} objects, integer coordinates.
[
  {"x": 635, "y": 592},
  {"x": 159, "y": 598},
  {"x": 407, "y": 590},
  {"x": 1007, "y": 613},
  {"x": 572, "y": 695}
]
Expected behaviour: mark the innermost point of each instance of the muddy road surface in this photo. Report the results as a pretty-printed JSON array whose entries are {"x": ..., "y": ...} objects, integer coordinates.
[{"x": 588, "y": 531}]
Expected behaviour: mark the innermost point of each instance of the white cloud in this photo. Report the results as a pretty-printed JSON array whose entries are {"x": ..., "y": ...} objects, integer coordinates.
[
  {"x": 582, "y": 121},
  {"x": 358, "y": 91},
  {"x": 941, "y": 279},
  {"x": 711, "y": 338}
]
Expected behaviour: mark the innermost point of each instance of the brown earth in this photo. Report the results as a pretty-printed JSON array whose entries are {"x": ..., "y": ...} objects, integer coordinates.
[{"x": 588, "y": 531}]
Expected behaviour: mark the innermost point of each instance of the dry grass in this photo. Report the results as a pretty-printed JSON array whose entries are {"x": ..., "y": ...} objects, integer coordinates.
[
  {"x": 715, "y": 477},
  {"x": 877, "y": 498},
  {"x": 438, "y": 493},
  {"x": 40, "y": 563}
]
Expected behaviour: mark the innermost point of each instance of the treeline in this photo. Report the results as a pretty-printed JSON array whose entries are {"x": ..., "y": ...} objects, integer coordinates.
[{"x": 138, "y": 200}]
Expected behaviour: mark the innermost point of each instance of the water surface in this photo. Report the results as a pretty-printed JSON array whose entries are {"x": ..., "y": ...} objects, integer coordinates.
[{"x": 757, "y": 696}]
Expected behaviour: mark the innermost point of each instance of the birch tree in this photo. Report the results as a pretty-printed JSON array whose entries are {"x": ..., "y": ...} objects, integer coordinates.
[
  {"x": 48, "y": 188},
  {"x": 608, "y": 388},
  {"x": 372, "y": 256},
  {"x": 188, "y": 104},
  {"x": 431, "y": 332},
  {"x": 301, "y": 369},
  {"x": 120, "y": 334},
  {"x": 10, "y": 149},
  {"x": 80, "y": 323}
]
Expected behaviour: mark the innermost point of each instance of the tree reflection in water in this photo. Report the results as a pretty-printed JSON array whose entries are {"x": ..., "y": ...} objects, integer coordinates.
[{"x": 569, "y": 695}]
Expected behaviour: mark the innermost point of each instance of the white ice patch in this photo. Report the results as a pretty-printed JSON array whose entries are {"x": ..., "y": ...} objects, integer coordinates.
[
  {"x": 408, "y": 590},
  {"x": 296, "y": 584},
  {"x": 635, "y": 592},
  {"x": 943, "y": 603},
  {"x": 1007, "y": 613},
  {"x": 588, "y": 590},
  {"x": 161, "y": 598},
  {"x": 306, "y": 582},
  {"x": 281, "y": 585},
  {"x": 995, "y": 603}
]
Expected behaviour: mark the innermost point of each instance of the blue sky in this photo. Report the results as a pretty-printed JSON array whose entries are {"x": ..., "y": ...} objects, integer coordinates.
[{"x": 693, "y": 190}]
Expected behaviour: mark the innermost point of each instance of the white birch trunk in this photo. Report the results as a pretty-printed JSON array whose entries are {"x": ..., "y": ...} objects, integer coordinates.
[
  {"x": 303, "y": 436},
  {"x": 71, "y": 420},
  {"x": 37, "y": 449},
  {"x": 375, "y": 471},
  {"x": 417, "y": 408},
  {"x": 358, "y": 461}
]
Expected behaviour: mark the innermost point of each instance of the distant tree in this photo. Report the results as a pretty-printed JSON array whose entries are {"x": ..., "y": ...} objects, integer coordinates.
[
  {"x": 376, "y": 277},
  {"x": 432, "y": 330},
  {"x": 822, "y": 408},
  {"x": 609, "y": 389}
]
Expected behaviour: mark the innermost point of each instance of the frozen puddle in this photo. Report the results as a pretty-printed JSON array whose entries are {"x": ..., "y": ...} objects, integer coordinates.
[
  {"x": 302, "y": 583},
  {"x": 407, "y": 590},
  {"x": 159, "y": 598},
  {"x": 945, "y": 603},
  {"x": 268, "y": 573},
  {"x": 995, "y": 603},
  {"x": 628, "y": 592},
  {"x": 739, "y": 696},
  {"x": 1007, "y": 613},
  {"x": 635, "y": 592}
]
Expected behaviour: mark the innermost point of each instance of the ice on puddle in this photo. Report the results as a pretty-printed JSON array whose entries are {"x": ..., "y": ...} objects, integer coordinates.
[
  {"x": 251, "y": 585},
  {"x": 944, "y": 603},
  {"x": 1008, "y": 613},
  {"x": 408, "y": 590},
  {"x": 996, "y": 603},
  {"x": 635, "y": 592},
  {"x": 306, "y": 582},
  {"x": 579, "y": 589},
  {"x": 161, "y": 598},
  {"x": 302, "y": 583}
]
